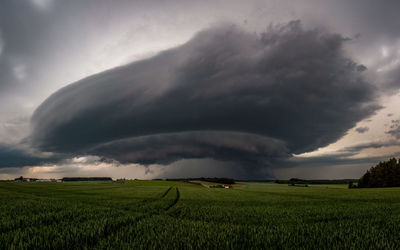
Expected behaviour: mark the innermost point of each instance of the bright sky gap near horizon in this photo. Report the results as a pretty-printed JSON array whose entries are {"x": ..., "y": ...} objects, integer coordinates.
[{"x": 174, "y": 89}]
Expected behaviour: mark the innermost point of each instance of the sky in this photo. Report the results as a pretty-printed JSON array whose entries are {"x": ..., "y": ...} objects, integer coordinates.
[{"x": 181, "y": 89}]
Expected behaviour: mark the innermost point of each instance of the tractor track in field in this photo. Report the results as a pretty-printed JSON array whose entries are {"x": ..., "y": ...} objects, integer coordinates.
[
  {"x": 166, "y": 192},
  {"x": 178, "y": 195},
  {"x": 109, "y": 232}
]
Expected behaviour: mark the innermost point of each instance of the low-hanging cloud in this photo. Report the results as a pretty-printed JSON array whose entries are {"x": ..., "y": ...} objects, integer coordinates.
[
  {"x": 362, "y": 130},
  {"x": 226, "y": 94},
  {"x": 170, "y": 147},
  {"x": 16, "y": 157}
]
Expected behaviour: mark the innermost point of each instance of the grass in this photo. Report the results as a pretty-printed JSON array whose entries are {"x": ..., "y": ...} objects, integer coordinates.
[{"x": 176, "y": 215}]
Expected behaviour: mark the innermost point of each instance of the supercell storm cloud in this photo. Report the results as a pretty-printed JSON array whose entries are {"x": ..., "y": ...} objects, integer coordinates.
[{"x": 226, "y": 94}]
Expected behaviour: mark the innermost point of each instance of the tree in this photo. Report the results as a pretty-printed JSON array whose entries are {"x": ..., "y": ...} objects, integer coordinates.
[{"x": 384, "y": 174}]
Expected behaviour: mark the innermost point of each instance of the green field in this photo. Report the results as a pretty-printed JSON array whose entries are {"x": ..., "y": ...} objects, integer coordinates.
[{"x": 176, "y": 215}]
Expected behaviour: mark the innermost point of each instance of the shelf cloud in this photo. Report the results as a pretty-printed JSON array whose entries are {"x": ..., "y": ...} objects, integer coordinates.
[{"x": 226, "y": 94}]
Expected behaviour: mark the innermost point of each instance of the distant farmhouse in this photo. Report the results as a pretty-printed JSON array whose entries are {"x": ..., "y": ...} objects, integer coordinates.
[{"x": 22, "y": 179}]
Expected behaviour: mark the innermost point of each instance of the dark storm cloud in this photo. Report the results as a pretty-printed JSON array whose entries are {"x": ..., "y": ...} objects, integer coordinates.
[
  {"x": 362, "y": 130},
  {"x": 14, "y": 157},
  {"x": 287, "y": 86},
  {"x": 169, "y": 147}
]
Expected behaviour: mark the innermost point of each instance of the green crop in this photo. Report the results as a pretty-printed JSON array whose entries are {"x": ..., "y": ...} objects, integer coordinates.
[{"x": 181, "y": 215}]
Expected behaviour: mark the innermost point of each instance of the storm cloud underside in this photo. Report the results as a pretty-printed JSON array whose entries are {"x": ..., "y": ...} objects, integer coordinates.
[{"x": 226, "y": 94}]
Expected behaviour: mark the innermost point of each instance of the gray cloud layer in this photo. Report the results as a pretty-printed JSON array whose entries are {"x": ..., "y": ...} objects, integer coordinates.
[
  {"x": 226, "y": 94},
  {"x": 169, "y": 147},
  {"x": 14, "y": 157}
]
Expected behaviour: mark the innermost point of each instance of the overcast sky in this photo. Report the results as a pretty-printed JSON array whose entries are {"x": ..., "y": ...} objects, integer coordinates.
[{"x": 165, "y": 89}]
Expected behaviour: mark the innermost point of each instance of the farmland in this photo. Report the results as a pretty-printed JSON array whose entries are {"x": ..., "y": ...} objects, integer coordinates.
[{"x": 172, "y": 215}]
